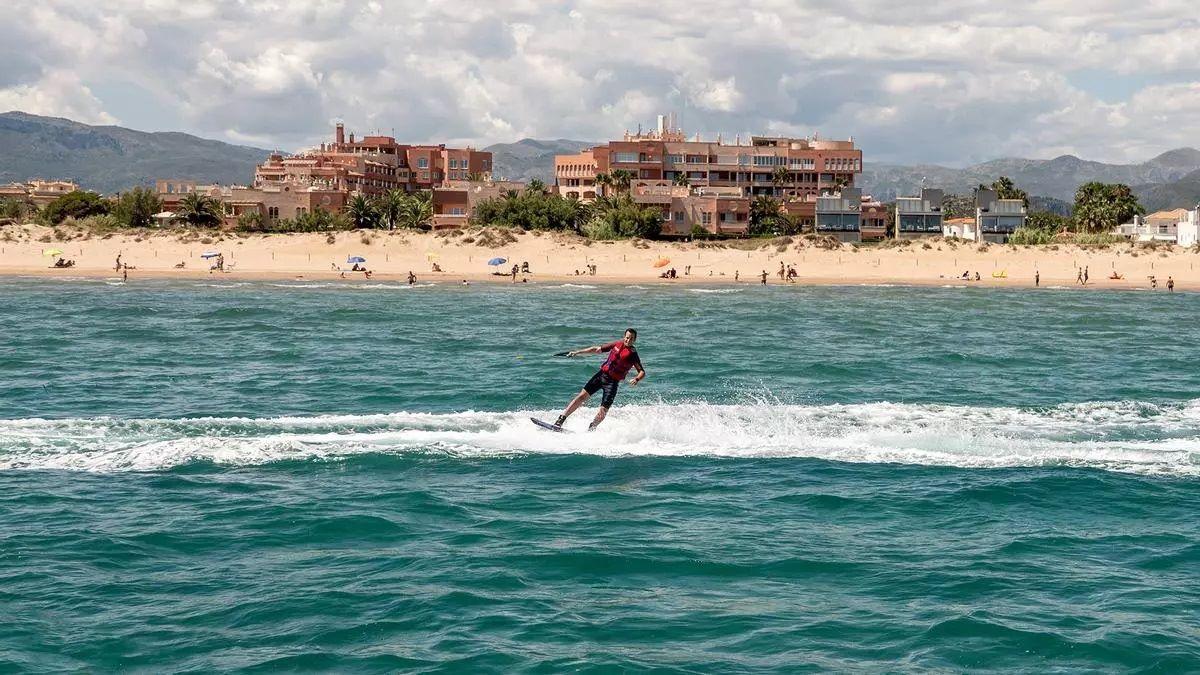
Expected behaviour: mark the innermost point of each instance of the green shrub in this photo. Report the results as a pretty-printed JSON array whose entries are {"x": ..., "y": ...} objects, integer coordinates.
[
  {"x": 600, "y": 230},
  {"x": 1096, "y": 238},
  {"x": 77, "y": 204},
  {"x": 1030, "y": 236}
]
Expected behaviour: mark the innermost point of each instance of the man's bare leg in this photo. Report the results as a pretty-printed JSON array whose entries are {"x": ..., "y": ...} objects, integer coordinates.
[
  {"x": 573, "y": 406},
  {"x": 599, "y": 418}
]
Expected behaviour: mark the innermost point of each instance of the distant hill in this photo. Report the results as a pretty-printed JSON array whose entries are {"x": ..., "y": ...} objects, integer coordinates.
[
  {"x": 1057, "y": 178},
  {"x": 1181, "y": 194},
  {"x": 530, "y": 158},
  {"x": 110, "y": 158}
]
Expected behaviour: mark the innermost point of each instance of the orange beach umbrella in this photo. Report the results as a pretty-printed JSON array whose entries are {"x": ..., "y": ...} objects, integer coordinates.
[{"x": 662, "y": 262}]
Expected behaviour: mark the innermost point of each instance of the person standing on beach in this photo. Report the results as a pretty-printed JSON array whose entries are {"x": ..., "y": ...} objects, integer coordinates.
[
  {"x": 781, "y": 270},
  {"x": 1085, "y": 275},
  {"x": 1170, "y": 284},
  {"x": 1079, "y": 277},
  {"x": 412, "y": 278},
  {"x": 622, "y": 356},
  {"x": 118, "y": 266},
  {"x": 125, "y": 273},
  {"x": 1037, "y": 278}
]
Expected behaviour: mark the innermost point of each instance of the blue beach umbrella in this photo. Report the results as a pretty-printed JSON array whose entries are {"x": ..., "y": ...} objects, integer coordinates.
[
  {"x": 497, "y": 261},
  {"x": 210, "y": 254},
  {"x": 356, "y": 259}
]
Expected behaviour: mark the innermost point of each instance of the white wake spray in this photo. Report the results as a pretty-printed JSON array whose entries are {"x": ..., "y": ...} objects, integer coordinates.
[{"x": 1125, "y": 436}]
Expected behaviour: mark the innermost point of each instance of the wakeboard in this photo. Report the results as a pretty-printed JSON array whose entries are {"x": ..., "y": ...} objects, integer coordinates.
[{"x": 548, "y": 426}]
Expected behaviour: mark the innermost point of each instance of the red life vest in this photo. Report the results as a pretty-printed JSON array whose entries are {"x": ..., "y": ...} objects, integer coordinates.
[{"x": 620, "y": 359}]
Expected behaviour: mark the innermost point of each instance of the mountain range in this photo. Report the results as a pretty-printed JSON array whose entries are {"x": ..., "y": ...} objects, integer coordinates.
[
  {"x": 1056, "y": 178},
  {"x": 112, "y": 158}
]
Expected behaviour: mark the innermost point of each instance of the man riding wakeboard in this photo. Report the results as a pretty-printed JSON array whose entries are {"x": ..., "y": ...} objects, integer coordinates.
[{"x": 622, "y": 356}]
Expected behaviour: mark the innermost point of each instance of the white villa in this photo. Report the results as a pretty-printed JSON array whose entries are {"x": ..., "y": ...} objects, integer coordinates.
[{"x": 1178, "y": 226}]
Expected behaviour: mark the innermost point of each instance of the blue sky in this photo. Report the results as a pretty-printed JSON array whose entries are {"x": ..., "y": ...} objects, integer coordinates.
[{"x": 952, "y": 82}]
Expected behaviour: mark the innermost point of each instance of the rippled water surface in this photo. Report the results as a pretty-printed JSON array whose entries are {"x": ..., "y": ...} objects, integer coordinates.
[{"x": 288, "y": 476}]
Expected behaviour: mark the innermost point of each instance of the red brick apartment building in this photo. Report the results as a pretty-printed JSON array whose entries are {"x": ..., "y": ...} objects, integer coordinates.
[
  {"x": 286, "y": 186},
  {"x": 793, "y": 170}
]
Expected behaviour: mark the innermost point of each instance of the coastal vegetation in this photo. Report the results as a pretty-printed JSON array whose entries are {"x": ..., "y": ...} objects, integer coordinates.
[
  {"x": 609, "y": 217},
  {"x": 77, "y": 204},
  {"x": 136, "y": 208},
  {"x": 1098, "y": 208}
]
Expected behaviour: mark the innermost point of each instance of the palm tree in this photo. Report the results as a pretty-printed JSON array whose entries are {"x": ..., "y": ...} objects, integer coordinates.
[
  {"x": 362, "y": 212},
  {"x": 780, "y": 177},
  {"x": 536, "y": 185},
  {"x": 417, "y": 211},
  {"x": 765, "y": 215},
  {"x": 682, "y": 179},
  {"x": 603, "y": 182},
  {"x": 200, "y": 210},
  {"x": 389, "y": 205},
  {"x": 622, "y": 179}
]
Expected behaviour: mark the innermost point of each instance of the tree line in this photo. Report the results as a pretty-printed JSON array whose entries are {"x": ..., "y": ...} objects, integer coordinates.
[{"x": 1098, "y": 208}]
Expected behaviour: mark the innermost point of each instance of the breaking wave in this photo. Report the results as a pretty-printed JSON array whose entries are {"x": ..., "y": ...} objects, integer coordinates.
[{"x": 1130, "y": 437}]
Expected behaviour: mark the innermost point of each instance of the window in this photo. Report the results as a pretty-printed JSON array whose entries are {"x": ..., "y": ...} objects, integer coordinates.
[
  {"x": 457, "y": 211},
  {"x": 675, "y": 159},
  {"x": 705, "y": 218},
  {"x": 625, "y": 157},
  {"x": 300, "y": 210},
  {"x": 423, "y": 163},
  {"x": 679, "y": 216},
  {"x": 728, "y": 217},
  {"x": 769, "y": 160},
  {"x": 424, "y": 175},
  {"x": 273, "y": 213},
  {"x": 453, "y": 163}
]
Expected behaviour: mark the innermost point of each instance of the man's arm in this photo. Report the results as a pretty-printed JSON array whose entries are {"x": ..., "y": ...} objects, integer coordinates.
[
  {"x": 597, "y": 349},
  {"x": 641, "y": 372},
  {"x": 587, "y": 350}
]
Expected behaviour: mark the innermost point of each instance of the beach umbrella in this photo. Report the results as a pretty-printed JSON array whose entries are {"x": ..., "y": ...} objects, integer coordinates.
[
  {"x": 52, "y": 251},
  {"x": 497, "y": 261},
  {"x": 210, "y": 254},
  {"x": 356, "y": 259},
  {"x": 662, "y": 262}
]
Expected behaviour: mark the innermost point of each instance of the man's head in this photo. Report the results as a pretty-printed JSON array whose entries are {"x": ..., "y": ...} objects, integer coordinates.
[{"x": 630, "y": 336}]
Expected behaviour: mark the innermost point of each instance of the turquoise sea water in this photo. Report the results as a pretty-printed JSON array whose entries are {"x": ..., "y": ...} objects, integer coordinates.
[{"x": 269, "y": 477}]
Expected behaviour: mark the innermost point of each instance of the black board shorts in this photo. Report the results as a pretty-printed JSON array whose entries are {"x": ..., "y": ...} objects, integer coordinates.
[{"x": 599, "y": 381}]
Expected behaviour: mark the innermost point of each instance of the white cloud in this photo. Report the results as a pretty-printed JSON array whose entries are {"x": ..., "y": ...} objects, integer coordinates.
[
  {"x": 952, "y": 82},
  {"x": 58, "y": 94}
]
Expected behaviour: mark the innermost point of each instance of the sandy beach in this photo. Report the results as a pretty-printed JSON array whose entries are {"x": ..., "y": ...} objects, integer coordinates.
[{"x": 558, "y": 257}]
